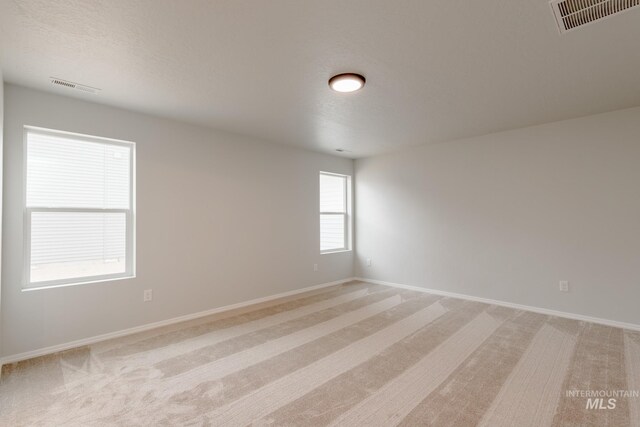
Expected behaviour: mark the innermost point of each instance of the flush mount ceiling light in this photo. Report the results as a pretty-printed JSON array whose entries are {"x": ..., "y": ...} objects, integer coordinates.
[{"x": 347, "y": 82}]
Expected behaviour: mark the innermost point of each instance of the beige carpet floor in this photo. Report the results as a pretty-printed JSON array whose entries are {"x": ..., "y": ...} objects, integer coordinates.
[{"x": 353, "y": 355}]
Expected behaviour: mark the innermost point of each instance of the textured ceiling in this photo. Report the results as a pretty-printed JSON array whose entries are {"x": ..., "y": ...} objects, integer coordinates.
[{"x": 435, "y": 71}]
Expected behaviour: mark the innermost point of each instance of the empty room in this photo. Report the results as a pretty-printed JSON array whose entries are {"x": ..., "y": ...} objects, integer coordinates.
[{"x": 320, "y": 213}]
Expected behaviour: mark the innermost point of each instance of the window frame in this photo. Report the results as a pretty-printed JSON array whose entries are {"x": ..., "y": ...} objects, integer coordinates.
[
  {"x": 130, "y": 219},
  {"x": 346, "y": 214}
]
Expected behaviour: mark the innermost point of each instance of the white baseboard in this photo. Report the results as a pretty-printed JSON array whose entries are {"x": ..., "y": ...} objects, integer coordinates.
[
  {"x": 546, "y": 311},
  {"x": 98, "y": 338}
]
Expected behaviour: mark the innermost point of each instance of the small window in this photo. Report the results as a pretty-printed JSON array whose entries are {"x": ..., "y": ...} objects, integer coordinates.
[
  {"x": 335, "y": 206},
  {"x": 79, "y": 219}
]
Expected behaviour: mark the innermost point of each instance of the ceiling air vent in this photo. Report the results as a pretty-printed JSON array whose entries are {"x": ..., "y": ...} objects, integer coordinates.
[
  {"x": 72, "y": 85},
  {"x": 571, "y": 14}
]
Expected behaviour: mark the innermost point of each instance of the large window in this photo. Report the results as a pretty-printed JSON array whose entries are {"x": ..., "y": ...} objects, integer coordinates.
[
  {"x": 79, "y": 217},
  {"x": 335, "y": 206}
]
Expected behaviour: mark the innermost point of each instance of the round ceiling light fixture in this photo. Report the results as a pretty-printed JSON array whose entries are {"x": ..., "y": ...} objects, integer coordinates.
[{"x": 347, "y": 82}]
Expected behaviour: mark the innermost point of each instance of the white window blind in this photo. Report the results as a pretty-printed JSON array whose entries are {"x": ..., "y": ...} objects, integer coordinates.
[
  {"x": 334, "y": 212},
  {"x": 78, "y": 213}
]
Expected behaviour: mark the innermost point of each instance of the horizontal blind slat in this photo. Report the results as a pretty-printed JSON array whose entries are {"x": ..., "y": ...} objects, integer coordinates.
[{"x": 65, "y": 172}]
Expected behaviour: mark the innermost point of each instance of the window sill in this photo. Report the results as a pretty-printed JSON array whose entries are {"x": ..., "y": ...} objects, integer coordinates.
[
  {"x": 336, "y": 252},
  {"x": 65, "y": 285}
]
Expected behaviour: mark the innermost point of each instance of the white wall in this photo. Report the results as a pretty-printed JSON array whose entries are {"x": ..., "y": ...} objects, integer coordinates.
[
  {"x": 221, "y": 219},
  {"x": 506, "y": 216},
  {"x": 1, "y": 175}
]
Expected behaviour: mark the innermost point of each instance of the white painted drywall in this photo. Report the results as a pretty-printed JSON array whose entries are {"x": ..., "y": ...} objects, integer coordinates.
[
  {"x": 1, "y": 176},
  {"x": 220, "y": 219},
  {"x": 506, "y": 216},
  {"x": 436, "y": 70}
]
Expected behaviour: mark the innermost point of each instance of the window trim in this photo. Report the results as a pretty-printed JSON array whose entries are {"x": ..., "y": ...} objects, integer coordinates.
[
  {"x": 346, "y": 214},
  {"x": 130, "y": 217}
]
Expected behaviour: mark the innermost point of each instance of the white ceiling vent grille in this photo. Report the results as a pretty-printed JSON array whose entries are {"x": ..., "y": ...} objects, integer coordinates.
[
  {"x": 77, "y": 86},
  {"x": 571, "y": 14}
]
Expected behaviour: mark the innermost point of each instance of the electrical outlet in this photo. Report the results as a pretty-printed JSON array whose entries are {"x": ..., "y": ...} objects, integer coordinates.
[
  {"x": 564, "y": 286},
  {"x": 147, "y": 295},
  {"x": 368, "y": 262},
  {"x": 315, "y": 267}
]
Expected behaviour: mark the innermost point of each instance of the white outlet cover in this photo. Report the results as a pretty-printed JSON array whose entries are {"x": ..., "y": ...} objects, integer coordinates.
[
  {"x": 315, "y": 267},
  {"x": 564, "y": 286},
  {"x": 147, "y": 295},
  {"x": 369, "y": 262}
]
